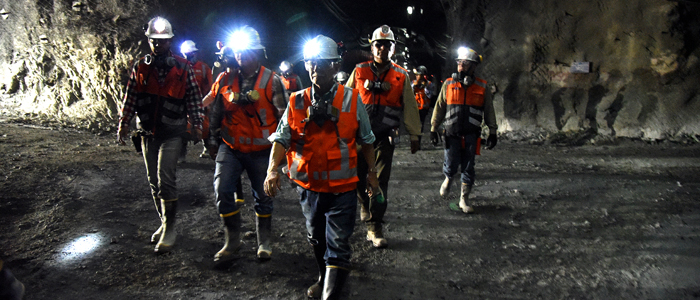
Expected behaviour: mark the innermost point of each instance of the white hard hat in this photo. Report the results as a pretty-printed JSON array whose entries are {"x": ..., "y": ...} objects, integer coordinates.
[
  {"x": 188, "y": 46},
  {"x": 321, "y": 47},
  {"x": 383, "y": 33},
  {"x": 285, "y": 65},
  {"x": 468, "y": 54},
  {"x": 159, "y": 28},
  {"x": 245, "y": 38},
  {"x": 341, "y": 77}
]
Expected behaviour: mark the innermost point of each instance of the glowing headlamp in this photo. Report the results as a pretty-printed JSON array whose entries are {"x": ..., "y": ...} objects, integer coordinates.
[
  {"x": 284, "y": 66},
  {"x": 239, "y": 41},
  {"x": 462, "y": 52},
  {"x": 159, "y": 25},
  {"x": 311, "y": 49}
]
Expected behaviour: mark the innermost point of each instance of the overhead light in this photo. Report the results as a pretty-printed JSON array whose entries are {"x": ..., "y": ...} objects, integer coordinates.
[
  {"x": 410, "y": 10},
  {"x": 5, "y": 14}
]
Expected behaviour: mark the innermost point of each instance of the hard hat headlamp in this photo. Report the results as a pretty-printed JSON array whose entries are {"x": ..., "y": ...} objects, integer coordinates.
[
  {"x": 159, "y": 25},
  {"x": 240, "y": 41},
  {"x": 284, "y": 66},
  {"x": 188, "y": 47},
  {"x": 311, "y": 49}
]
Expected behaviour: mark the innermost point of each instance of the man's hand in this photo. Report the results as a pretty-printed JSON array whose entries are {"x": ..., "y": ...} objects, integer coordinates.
[
  {"x": 213, "y": 146},
  {"x": 491, "y": 141},
  {"x": 415, "y": 146},
  {"x": 434, "y": 138},
  {"x": 197, "y": 134},
  {"x": 372, "y": 183},
  {"x": 122, "y": 135},
  {"x": 272, "y": 183}
]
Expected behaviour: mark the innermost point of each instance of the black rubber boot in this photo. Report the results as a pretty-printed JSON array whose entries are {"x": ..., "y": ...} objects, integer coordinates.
[
  {"x": 263, "y": 227},
  {"x": 232, "y": 243},
  {"x": 167, "y": 238},
  {"x": 316, "y": 290},
  {"x": 335, "y": 280}
]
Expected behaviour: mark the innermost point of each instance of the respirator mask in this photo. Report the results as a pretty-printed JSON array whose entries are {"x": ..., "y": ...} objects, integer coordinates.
[
  {"x": 245, "y": 98},
  {"x": 463, "y": 78},
  {"x": 377, "y": 86},
  {"x": 320, "y": 111},
  {"x": 160, "y": 61}
]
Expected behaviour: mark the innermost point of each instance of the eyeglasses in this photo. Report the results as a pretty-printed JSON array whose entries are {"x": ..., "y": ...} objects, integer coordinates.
[
  {"x": 320, "y": 63},
  {"x": 385, "y": 43}
]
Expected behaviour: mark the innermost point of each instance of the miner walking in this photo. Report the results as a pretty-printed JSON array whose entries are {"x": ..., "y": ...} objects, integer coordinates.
[
  {"x": 248, "y": 102},
  {"x": 464, "y": 101},
  {"x": 385, "y": 89},
  {"x": 319, "y": 132}
]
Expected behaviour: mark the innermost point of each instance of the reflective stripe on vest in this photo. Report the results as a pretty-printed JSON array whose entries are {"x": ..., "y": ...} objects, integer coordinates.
[
  {"x": 247, "y": 127},
  {"x": 324, "y": 158},
  {"x": 465, "y": 108}
]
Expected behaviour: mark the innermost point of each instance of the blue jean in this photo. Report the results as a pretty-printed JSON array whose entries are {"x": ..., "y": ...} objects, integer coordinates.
[
  {"x": 160, "y": 156},
  {"x": 330, "y": 219},
  {"x": 458, "y": 157},
  {"x": 230, "y": 165}
]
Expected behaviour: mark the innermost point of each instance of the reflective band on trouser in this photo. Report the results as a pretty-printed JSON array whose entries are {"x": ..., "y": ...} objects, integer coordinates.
[
  {"x": 345, "y": 171},
  {"x": 143, "y": 101},
  {"x": 229, "y": 214},
  {"x": 392, "y": 116},
  {"x": 144, "y": 117},
  {"x": 263, "y": 216}
]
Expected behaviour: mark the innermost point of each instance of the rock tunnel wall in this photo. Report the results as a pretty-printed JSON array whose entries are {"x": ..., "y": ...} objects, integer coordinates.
[
  {"x": 67, "y": 61},
  {"x": 644, "y": 72}
]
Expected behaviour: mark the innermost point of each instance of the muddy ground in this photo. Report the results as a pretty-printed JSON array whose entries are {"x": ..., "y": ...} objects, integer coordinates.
[{"x": 552, "y": 222}]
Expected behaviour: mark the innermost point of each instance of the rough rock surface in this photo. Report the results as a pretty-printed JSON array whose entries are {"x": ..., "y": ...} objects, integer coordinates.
[{"x": 66, "y": 61}]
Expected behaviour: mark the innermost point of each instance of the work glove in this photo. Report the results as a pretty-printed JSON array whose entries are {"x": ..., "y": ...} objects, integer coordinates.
[
  {"x": 491, "y": 141},
  {"x": 434, "y": 138},
  {"x": 415, "y": 146}
]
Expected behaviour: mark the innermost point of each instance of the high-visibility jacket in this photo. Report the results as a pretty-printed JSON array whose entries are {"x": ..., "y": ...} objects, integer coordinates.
[
  {"x": 246, "y": 127},
  {"x": 202, "y": 73},
  {"x": 291, "y": 83},
  {"x": 384, "y": 108},
  {"x": 162, "y": 109},
  {"x": 323, "y": 158},
  {"x": 465, "y": 107},
  {"x": 421, "y": 98}
]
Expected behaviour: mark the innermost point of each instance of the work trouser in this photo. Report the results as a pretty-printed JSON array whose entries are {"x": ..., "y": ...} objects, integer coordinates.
[
  {"x": 160, "y": 156},
  {"x": 230, "y": 165},
  {"x": 384, "y": 155},
  {"x": 459, "y": 155},
  {"x": 330, "y": 219}
]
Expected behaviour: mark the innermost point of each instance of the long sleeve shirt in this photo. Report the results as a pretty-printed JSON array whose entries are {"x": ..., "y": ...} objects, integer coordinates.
[
  {"x": 283, "y": 133},
  {"x": 411, "y": 118},
  {"x": 193, "y": 98},
  {"x": 441, "y": 109}
]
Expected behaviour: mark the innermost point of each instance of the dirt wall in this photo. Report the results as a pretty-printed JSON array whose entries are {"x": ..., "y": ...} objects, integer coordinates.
[{"x": 642, "y": 56}]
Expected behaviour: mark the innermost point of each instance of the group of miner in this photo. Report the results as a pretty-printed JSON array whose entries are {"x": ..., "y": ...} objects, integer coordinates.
[{"x": 337, "y": 140}]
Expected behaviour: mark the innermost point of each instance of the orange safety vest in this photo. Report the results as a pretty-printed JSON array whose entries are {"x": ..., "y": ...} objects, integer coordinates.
[
  {"x": 246, "y": 127},
  {"x": 161, "y": 109},
  {"x": 291, "y": 82},
  {"x": 203, "y": 74},
  {"x": 465, "y": 107},
  {"x": 421, "y": 98},
  {"x": 384, "y": 108},
  {"x": 323, "y": 158}
]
